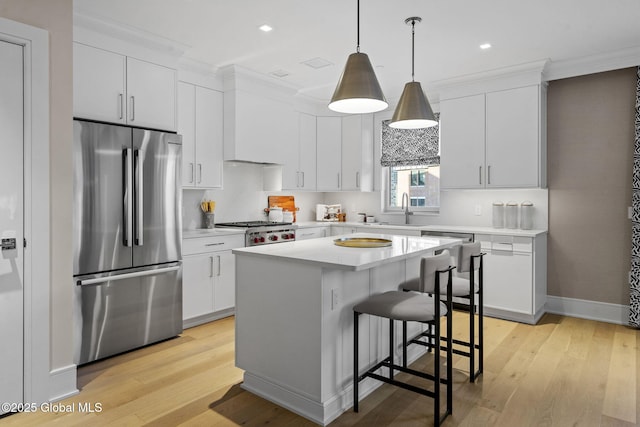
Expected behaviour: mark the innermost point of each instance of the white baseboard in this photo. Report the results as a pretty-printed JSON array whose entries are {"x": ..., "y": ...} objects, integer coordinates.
[
  {"x": 63, "y": 383},
  {"x": 593, "y": 310}
]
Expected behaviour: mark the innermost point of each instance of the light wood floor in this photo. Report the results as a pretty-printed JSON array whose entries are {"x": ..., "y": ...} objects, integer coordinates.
[{"x": 561, "y": 372}]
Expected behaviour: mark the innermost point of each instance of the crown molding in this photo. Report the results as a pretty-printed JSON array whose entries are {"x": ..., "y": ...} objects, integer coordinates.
[
  {"x": 126, "y": 33},
  {"x": 609, "y": 61},
  {"x": 525, "y": 74}
]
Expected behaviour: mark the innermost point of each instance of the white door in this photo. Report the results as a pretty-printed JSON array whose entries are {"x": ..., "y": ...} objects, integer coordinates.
[{"x": 11, "y": 223}]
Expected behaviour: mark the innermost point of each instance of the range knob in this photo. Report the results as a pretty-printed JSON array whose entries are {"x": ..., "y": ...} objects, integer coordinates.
[
  {"x": 262, "y": 239},
  {"x": 285, "y": 236},
  {"x": 256, "y": 240},
  {"x": 273, "y": 237}
]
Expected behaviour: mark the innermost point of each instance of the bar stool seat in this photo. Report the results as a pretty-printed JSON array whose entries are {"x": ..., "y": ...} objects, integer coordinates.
[
  {"x": 411, "y": 307},
  {"x": 399, "y": 305}
]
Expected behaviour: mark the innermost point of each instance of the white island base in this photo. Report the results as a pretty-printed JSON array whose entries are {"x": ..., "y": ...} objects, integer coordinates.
[{"x": 294, "y": 318}]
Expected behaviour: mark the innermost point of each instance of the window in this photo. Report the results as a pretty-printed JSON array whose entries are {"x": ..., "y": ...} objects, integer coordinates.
[
  {"x": 420, "y": 183},
  {"x": 417, "y": 177},
  {"x": 418, "y": 201},
  {"x": 411, "y": 160}
]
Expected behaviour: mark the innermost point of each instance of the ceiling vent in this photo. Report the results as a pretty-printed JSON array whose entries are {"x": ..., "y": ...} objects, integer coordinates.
[{"x": 317, "y": 63}]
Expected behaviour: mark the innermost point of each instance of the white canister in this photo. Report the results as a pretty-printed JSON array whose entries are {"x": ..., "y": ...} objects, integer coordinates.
[
  {"x": 526, "y": 215},
  {"x": 370, "y": 219},
  {"x": 511, "y": 215},
  {"x": 498, "y": 215},
  {"x": 360, "y": 217},
  {"x": 275, "y": 214},
  {"x": 287, "y": 216}
]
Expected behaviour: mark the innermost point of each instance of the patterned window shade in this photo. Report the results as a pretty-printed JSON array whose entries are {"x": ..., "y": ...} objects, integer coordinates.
[
  {"x": 406, "y": 147},
  {"x": 634, "y": 294}
]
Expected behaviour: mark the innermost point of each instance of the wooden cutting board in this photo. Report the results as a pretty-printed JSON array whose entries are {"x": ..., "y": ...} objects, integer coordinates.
[{"x": 287, "y": 203}]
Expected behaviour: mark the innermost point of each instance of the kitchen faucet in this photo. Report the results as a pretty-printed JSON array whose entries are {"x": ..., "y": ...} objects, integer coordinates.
[{"x": 405, "y": 199}]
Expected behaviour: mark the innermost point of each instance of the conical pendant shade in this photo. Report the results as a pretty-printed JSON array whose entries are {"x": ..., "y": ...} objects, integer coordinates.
[
  {"x": 358, "y": 91},
  {"x": 413, "y": 110}
]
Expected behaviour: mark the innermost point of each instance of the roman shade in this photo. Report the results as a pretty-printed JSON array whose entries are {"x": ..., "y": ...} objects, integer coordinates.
[
  {"x": 634, "y": 294},
  {"x": 408, "y": 147}
]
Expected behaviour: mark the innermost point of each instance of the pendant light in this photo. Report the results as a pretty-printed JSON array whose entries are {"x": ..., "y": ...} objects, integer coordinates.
[
  {"x": 358, "y": 90},
  {"x": 413, "y": 110}
]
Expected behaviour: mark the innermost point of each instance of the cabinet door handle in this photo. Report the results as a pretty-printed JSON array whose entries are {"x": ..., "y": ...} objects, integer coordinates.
[
  {"x": 298, "y": 179},
  {"x": 480, "y": 174},
  {"x": 133, "y": 108},
  {"x": 218, "y": 256},
  {"x": 357, "y": 179},
  {"x": 120, "y": 108},
  {"x": 338, "y": 179},
  {"x": 210, "y": 266},
  {"x": 199, "y": 173},
  {"x": 302, "y": 179},
  {"x": 193, "y": 170},
  {"x": 489, "y": 175}
]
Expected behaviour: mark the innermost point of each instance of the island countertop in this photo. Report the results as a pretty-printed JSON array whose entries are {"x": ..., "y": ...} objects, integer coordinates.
[{"x": 325, "y": 253}]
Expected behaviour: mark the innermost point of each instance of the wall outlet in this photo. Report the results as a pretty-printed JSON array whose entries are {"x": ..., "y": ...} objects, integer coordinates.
[
  {"x": 335, "y": 298},
  {"x": 477, "y": 210}
]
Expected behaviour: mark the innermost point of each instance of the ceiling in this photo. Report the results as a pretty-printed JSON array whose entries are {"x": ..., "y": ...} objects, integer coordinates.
[{"x": 220, "y": 33}]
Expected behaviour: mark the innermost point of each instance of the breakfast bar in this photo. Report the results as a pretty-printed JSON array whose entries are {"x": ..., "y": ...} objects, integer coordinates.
[{"x": 294, "y": 319}]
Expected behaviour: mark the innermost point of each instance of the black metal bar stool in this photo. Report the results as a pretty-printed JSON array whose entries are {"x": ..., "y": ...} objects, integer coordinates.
[
  {"x": 411, "y": 307},
  {"x": 468, "y": 259}
]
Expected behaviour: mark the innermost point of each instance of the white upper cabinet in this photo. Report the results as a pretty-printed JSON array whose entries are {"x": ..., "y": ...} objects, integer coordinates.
[
  {"x": 118, "y": 89},
  {"x": 200, "y": 122},
  {"x": 462, "y": 122},
  {"x": 329, "y": 167},
  {"x": 299, "y": 169},
  {"x": 357, "y": 152},
  {"x": 513, "y": 137},
  {"x": 493, "y": 140}
]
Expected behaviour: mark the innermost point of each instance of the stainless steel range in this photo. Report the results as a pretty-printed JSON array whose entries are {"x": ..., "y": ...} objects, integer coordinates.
[{"x": 259, "y": 233}]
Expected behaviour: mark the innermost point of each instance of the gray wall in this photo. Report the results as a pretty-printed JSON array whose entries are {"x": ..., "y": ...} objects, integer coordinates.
[{"x": 590, "y": 149}]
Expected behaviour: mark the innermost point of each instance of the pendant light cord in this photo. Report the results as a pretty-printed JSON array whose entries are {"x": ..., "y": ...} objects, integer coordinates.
[
  {"x": 358, "y": 27},
  {"x": 413, "y": 37}
]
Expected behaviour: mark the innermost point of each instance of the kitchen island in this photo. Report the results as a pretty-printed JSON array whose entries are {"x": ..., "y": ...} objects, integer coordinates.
[{"x": 294, "y": 318}]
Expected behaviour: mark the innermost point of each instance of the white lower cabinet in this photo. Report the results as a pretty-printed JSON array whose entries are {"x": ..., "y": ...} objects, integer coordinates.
[
  {"x": 311, "y": 233},
  {"x": 208, "y": 278},
  {"x": 337, "y": 230},
  {"x": 514, "y": 276}
]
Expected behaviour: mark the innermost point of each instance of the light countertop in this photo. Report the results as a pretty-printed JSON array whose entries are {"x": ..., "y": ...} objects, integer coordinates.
[
  {"x": 324, "y": 253},
  {"x": 210, "y": 232},
  {"x": 446, "y": 228}
]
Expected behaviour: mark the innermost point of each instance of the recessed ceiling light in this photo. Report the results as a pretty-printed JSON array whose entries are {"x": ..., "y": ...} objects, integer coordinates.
[
  {"x": 485, "y": 46},
  {"x": 317, "y": 63},
  {"x": 280, "y": 73},
  {"x": 266, "y": 28}
]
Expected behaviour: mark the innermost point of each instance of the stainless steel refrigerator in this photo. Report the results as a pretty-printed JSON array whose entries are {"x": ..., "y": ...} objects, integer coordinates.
[{"x": 127, "y": 238}]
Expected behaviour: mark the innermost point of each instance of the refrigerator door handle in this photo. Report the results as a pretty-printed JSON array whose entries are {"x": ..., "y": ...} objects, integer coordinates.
[
  {"x": 128, "y": 197},
  {"x": 97, "y": 280},
  {"x": 139, "y": 157}
]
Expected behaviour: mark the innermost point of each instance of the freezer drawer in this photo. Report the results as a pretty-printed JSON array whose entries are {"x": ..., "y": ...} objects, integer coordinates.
[{"x": 126, "y": 311}]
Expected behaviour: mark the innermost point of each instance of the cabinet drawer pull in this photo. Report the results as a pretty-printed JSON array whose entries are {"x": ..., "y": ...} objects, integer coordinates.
[{"x": 214, "y": 244}]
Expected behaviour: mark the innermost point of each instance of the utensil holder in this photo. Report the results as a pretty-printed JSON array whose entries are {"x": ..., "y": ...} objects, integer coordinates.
[{"x": 209, "y": 220}]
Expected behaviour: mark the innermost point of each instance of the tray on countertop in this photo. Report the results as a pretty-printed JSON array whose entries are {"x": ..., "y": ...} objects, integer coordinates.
[{"x": 362, "y": 242}]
